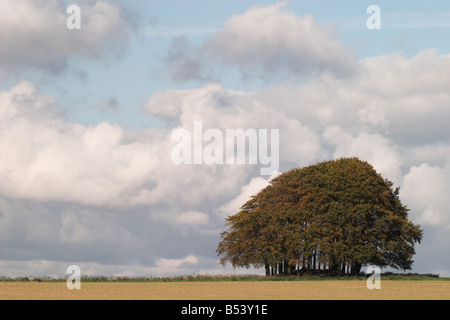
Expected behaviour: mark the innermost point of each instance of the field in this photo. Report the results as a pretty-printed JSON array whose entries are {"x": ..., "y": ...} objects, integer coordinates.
[{"x": 229, "y": 290}]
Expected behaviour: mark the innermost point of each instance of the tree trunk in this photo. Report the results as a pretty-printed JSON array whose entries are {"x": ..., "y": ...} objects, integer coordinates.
[
  {"x": 314, "y": 261},
  {"x": 292, "y": 269},
  {"x": 286, "y": 267},
  {"x": 333, "y": 265},
  {"x": 356, "y": 268}
]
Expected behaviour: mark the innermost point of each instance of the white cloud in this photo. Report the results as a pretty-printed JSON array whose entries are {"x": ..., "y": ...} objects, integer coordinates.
[
  {"x": 425, "y": 189},
  {"x": 223, "y": 109},
  {"x": 433, "y": 154},
  {"x": 374, "y": 115},
  {"x": 188, "y": 223},
  {"x": 192, "y": 218},
  {"x": 45, "y": 157},
  {"x": 264, "y": 41},
  {"x": 164, "y": 263},
  {"x": 197, "y": 102},
  {"x": 34, "y": 33},
  {"x": 404, "y": 99}
]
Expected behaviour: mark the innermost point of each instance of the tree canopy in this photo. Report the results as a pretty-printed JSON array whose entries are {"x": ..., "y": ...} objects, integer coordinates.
[{"x": 333, "y": 217}]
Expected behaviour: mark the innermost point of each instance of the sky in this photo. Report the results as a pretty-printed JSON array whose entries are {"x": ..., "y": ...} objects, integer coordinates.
[{"x": 87, "y": 175}]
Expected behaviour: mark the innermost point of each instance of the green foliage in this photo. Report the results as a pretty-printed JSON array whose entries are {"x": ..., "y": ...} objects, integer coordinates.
[{"x": 333, "y": 217}]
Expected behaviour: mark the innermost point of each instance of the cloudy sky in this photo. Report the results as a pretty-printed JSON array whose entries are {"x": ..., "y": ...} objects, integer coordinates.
[{"x": 86, "y": 116}]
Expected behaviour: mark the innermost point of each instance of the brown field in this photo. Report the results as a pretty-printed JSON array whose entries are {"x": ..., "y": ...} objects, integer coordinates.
[{"x": 265, "y": 290}]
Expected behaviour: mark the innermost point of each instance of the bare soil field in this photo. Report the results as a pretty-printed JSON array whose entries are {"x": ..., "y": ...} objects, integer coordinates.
[{"x": 228, "y": 290}]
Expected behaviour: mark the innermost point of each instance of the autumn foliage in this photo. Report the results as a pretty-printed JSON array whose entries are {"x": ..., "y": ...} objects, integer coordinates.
[{"x": 330, "y": 218}]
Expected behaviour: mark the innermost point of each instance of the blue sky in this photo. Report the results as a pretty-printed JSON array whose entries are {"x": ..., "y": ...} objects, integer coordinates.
[{"x": 86, "y": 117}]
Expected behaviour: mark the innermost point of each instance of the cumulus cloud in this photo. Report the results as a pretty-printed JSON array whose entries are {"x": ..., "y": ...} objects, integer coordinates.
[
  {"x": 177, "y": 104},
  {"x": 34, "y": 33},
  {"x": 404, "y": 98},
  {"x": 45, "y": 157},
  {"x": 223, "y": 109},
  {"x": 176, "y": 263},
  {"x": 425, "y": 188},
  {"x": 264, "y": 41}
]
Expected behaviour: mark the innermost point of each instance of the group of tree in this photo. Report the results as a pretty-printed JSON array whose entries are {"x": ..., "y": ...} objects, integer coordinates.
[{"x": 333, "y": 217}]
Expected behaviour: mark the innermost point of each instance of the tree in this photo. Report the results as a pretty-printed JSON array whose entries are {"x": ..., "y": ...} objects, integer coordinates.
[{"x": 333, "y": 217}]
